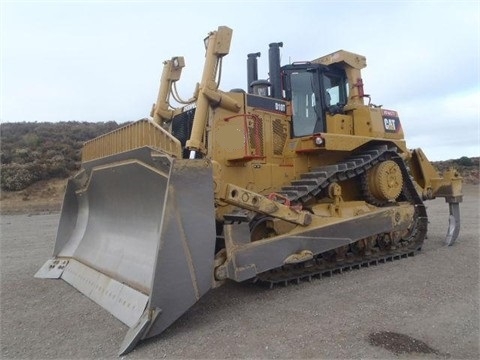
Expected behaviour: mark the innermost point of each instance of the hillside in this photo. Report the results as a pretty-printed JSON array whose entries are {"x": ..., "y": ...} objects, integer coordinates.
[
  {"x": 32, "y": 152},
  {"x": 467, "y": 167},
  {"x": 37, "y": 158}
]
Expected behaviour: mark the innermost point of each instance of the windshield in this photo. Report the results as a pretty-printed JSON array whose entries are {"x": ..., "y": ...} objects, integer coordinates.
[{"x": 303, "y": 103}]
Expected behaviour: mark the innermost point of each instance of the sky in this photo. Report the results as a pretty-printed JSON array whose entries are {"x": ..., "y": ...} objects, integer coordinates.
[{"x": 102, "y": 60}]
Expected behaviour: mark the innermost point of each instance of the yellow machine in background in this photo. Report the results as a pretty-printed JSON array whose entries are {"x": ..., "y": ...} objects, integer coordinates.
[{"x": 294, "y": 178}]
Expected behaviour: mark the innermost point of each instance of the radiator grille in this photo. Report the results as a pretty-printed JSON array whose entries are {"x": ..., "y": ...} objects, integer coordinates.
[
  {"x": 182, "y": 126},
  {"x": 255, "y": 136},
  {"x": 279, "y": 136},
  {"x": 182, "y": 129}
]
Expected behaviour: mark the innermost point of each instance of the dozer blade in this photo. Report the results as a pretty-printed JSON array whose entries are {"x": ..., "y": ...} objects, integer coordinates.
[
  {"x": 138, "y": 238},
  {"x": 453, "y": 223}
]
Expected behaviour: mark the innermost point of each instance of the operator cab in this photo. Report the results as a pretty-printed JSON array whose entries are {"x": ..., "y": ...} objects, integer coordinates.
[{"x": 313, "y": 90}]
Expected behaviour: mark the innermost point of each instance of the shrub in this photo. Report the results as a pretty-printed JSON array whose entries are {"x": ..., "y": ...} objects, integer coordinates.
[
  {"x": 17, "y": 176},
  {"x": 464, "y": 161}
]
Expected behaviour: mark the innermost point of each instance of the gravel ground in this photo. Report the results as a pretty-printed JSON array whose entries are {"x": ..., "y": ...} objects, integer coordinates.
[{"x": 422, "y": 307}]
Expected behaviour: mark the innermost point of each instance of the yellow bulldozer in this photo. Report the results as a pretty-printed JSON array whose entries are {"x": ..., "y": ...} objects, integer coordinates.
[{"x": 297, "y": 177}]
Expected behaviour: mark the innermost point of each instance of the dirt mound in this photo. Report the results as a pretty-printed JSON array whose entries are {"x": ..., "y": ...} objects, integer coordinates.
[{"x": 44, "y": 196}]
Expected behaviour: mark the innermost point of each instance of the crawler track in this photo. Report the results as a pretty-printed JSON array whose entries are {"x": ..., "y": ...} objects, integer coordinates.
[
  {"x": 378, "y": 248},
  {"x": 320, "y": 268},
  {"x": 312, "y": 183}
]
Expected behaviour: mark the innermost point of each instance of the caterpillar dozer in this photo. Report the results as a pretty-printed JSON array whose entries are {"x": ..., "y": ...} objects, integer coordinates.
[{"x": 299, "y": 176}]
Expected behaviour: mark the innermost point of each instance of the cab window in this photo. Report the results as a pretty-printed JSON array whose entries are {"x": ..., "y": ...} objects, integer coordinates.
[{"x": 335, "y": 90}]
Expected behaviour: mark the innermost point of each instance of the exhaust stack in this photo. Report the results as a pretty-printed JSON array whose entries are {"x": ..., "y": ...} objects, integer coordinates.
[
  {"x": 252, "y": 70},
  {"x": 274, "y": 69}
]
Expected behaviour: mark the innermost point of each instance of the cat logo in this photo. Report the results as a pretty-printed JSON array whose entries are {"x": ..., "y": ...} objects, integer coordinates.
[{"x": 390, "y": 124}]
